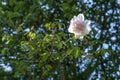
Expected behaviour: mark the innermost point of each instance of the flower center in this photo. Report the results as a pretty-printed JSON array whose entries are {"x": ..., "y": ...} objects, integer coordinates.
[{"x": 78, "y": 27}]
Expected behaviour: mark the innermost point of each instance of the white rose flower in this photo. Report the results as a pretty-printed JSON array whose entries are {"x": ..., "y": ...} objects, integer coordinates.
[{"x": 79, "y": 26}]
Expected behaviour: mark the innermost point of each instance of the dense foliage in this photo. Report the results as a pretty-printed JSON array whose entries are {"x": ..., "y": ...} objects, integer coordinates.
[{"x": 36, "y": 45}]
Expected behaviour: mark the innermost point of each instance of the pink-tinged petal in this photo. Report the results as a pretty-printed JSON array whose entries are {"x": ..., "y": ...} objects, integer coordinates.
[
  {"x": 73, "y": 19},
  {"x": 87, "y": 30},
  {"x": 81, "y": 37},
  {"x": 78, "y": 37},
  {"x": 70, "y": 30},
  {"x": 87, "y": 22},
  {"x": 81, "y": 17}
]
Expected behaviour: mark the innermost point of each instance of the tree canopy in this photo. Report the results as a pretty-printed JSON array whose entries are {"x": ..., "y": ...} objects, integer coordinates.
[{"x": 35, "y": 43}]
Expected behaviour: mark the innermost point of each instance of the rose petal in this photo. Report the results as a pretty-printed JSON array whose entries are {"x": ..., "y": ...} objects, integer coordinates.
[
  {"x": 87, "y": 22},
  {"x": 70, "y": 30},
  {"x": 81, "y": 17},
  {"x": 73, "y": 19},
  {"x": 81, "y": 37},
  {"x": 78, "y": 36},
  {"x": 87, "y": 30}
]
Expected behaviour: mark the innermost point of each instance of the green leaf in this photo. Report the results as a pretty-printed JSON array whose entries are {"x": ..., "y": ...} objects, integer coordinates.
[
  {"x": 32, "y": 35},
  {"x": 20, "y": 28},
  {"x": 48, "y": 25},
  {"x": 77, "y": 53},
  {"x": 44, "y": 56},
  {"x": 13, "y": 14}
]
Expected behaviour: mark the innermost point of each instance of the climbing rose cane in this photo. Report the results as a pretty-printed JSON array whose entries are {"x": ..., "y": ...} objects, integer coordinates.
[{"x": 79, "y": 26}]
